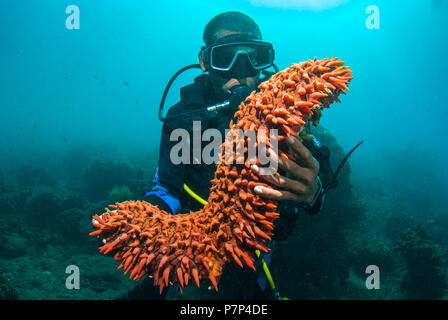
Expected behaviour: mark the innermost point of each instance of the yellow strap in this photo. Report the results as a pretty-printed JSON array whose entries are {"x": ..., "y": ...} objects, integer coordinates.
[
  {"x": 266, "y": 270},
  {"x": 257, "y": 252},
  {"x": 194, "y": 195}
]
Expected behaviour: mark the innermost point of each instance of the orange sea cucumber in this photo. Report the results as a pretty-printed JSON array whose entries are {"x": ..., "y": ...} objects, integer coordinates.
[{"x": 236, "y": 221}]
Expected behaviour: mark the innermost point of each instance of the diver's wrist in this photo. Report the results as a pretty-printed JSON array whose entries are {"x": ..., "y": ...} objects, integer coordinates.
[{"x": 316, "y": 204}]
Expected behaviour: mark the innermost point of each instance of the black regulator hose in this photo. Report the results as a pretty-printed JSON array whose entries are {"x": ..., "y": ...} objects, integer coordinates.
[{"x": 168, "y": 86}]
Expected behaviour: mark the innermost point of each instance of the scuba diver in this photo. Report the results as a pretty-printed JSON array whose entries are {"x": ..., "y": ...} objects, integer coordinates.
[{"x": 234, "y": 61}]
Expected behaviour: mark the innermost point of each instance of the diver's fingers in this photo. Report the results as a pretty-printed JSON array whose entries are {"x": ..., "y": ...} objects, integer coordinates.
[
  {"x": 302, "y": 154},
  {"x": 278, "y": 195},
  {"x": 229, "y": 84},
  {"x": 284, "y": 182},
  {"x": 95, "y": 223},
  {"x": 301, "y": 174}
]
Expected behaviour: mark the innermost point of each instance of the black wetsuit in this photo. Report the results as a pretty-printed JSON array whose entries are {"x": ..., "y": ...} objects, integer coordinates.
[{"x": 168, "y": 192}]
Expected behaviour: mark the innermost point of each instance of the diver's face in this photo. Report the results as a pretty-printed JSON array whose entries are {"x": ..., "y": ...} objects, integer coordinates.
[{"x": 222, "y": 82}]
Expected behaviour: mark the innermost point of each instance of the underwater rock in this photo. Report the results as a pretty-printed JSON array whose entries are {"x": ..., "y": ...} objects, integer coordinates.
[
  {"x": 120, "y": 193},
  {"x": 43, "y": 207},
  {"x": 72, "y": 224},
  {"x": 101, "y": 177},
  {"x": 396, "y": 222},
  {"x": 437, "y": 227},
  {"x": 340, "y": 202},
  {"x": 424, "y": 278},
  {"x": 57, "y": 223},
  {"x": 7, "y": 291},
  {"x": 29, "y": 176},
  {"x": 107, "y": 279},
  {"x": 373, "y": 252},
  {"x": 12, "y": 202},
  {"x": 75, "y": 200},
  {"x": 11, "y": 244}
]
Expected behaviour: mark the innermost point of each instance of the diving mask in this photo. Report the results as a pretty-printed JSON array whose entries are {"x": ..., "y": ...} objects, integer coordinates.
[{"x": 231, "y": 51}]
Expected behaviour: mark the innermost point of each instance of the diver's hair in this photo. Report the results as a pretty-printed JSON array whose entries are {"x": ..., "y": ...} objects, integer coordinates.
[{"x": 232, "y": 21}]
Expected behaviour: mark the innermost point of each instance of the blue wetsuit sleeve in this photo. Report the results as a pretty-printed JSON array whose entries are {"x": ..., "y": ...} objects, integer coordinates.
[{"x": 163, "y": 194}]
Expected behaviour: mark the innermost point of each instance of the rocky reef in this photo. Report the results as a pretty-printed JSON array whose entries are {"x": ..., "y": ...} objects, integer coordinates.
[{"x": 424, "y": 278}]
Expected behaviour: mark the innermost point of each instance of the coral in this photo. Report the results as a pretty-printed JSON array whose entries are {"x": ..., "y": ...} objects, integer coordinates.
[
  {"x": 236, "y": 221},
  {"x": 424, "y": 278}
]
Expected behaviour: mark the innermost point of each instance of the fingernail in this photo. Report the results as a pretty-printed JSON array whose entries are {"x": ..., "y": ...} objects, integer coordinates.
[
  {"x": 255, "y": 168},
  {"x": 258, "y": 189},
  {"x": 290, "y": 140}
]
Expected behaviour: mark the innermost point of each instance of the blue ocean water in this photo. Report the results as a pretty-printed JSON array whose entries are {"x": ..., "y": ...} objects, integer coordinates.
[
  {"x": 98, "y": 88},
  {"x": 52, "y": 78}
]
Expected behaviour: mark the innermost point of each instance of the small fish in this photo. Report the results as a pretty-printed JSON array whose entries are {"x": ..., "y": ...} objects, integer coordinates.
[
  {"x": 95, "y": 76},
  {"x": 136, "y": 101},
  {"x": 34, "y": 127},
  {"x": 125, "y": 83},
  {"x": 102, "y": 81},
  {"x": 65, "y": 77},
  {"x": 63, "y": 139},
  {"x": 26, "y": 149}
]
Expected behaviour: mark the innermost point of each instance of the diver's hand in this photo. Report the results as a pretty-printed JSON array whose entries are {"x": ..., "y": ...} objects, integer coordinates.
[
  {"x": 230, "y": 84},
  {"x": 94, "y": 222},
  {"x": 302, "y": 186}
]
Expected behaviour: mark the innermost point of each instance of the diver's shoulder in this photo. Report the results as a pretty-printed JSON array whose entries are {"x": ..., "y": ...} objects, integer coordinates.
[
  {"x": 175, "y": 109},
  {"x": 172, "y": 118}
]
